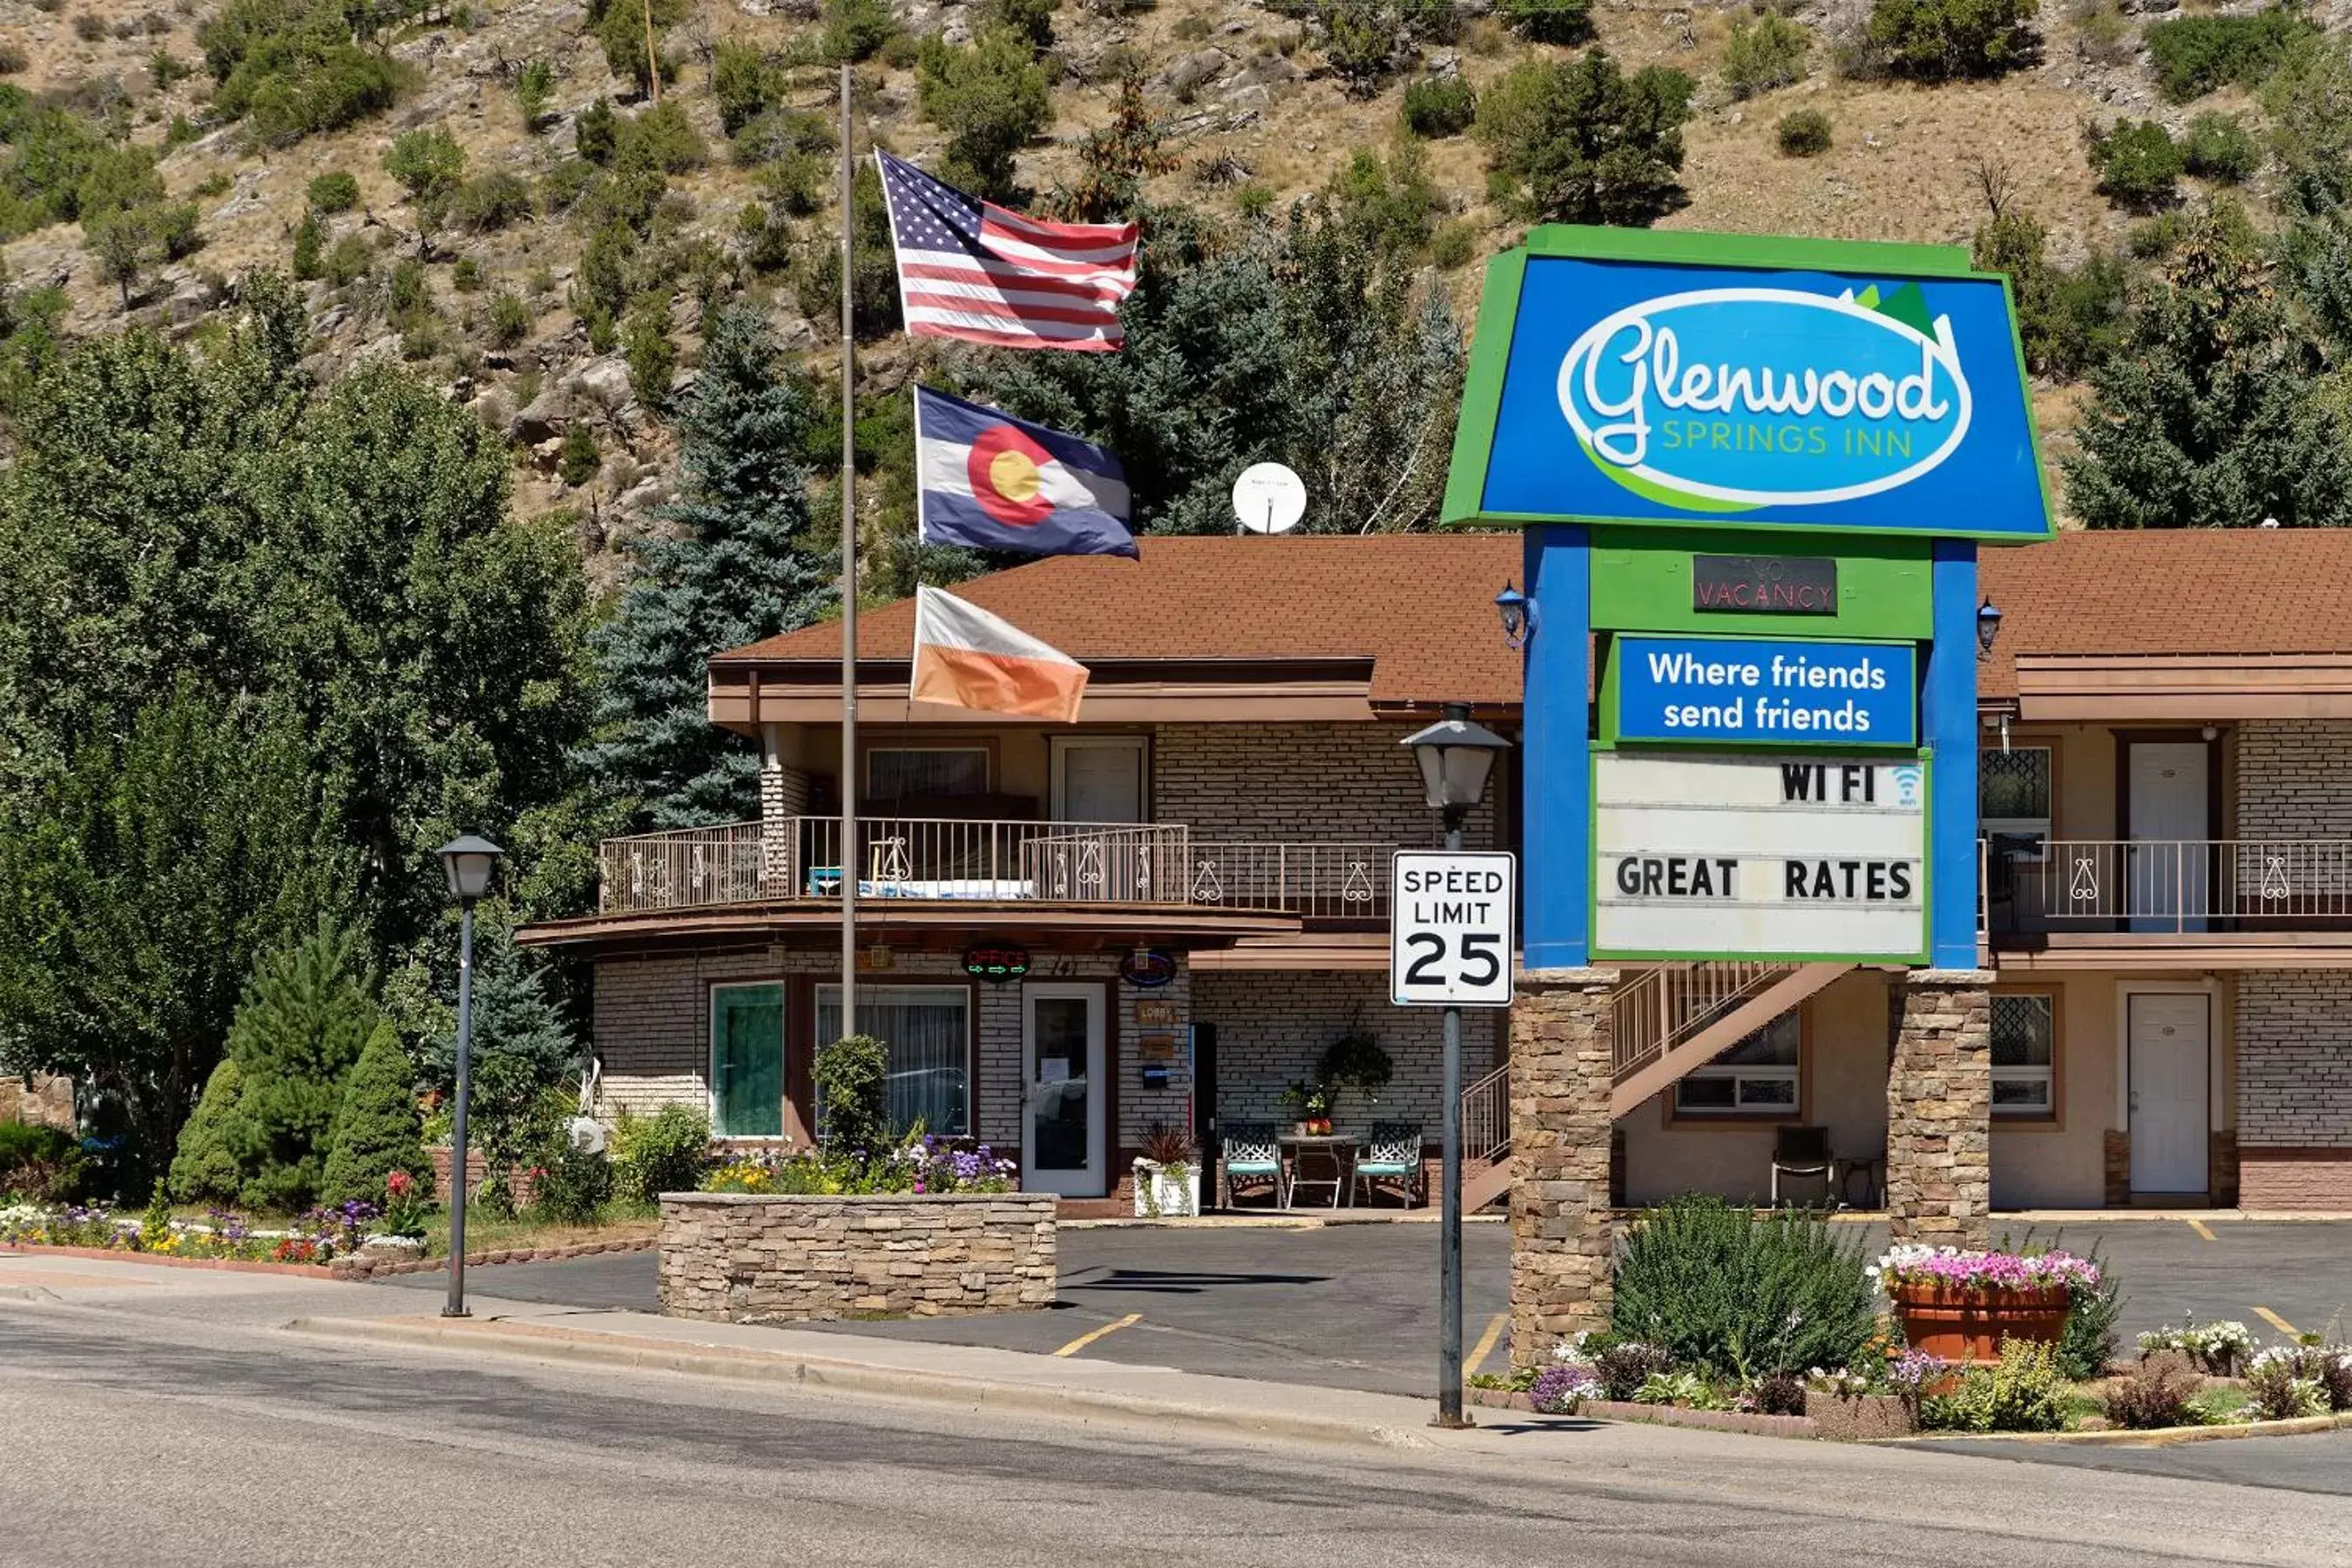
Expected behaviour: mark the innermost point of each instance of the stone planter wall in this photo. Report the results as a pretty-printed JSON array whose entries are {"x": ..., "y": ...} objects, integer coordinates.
[{"x": 747, "y": 1258}]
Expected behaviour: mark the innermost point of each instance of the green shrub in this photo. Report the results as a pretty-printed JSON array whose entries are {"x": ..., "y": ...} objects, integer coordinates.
[
  {"x": 408, "y": 288},
  {"x": 289, "y": 68},
  {"x": 1936, "y": 40},
  {"x": 12, "y": 59},
  {"x": 1444, "y": 106},
  {"x": 653, "y": 359},
  {"x": 1765, "y": 52},
  {"x": 1453, "y": 244},
  {"x": 334, "y": 192},
  {"x": 581, "y": 460},
  {"x": 466, "y": 277},
  {"x": 2069, "y": 319},
  {"x": 1803, "y": 133},
  {"x": 38, "y": 1164},
  {"x": 176, "y": 230},
  {"x": 2159, "y": 1394},
  {"x": 534, "y": 89},
  {"x": 509, "y": 320},
  {"x": 305, "y": 1014},
  {"x": 2023, "y": 1394},
  {"x": 573, "y": 1186},
  {"x": 664, "y": 1152},
  {"x": 853, "y": 1095},
  {"x": 855, "y": 29},
  {"x": 491, "y": 201},
  {"x": 1549, "y": 21},
  {"x": 2090, "y": 1340},
  {"x": 743, "y": 81},
  {"x": 2219, "y": 147},
  {"x": 377, "y": 1129},
  {"x": 2138, "y": 166},
  {"x": 661, "y": 137},
  {"x": 1717, "y": 1288},
  {"x": 594, "y": 135},
  {"x": 347, "y": 260},
  {"x": 990, "y": 97},
  {"x": 1032, "y": 19},
  {"x": 622, "y": 32},
  {"x": 1579, "y": 141},
  {"x": 2193, "y": 55},
  {"x": 205, "y": 1168},
  {"x": 90, "y": 27}
]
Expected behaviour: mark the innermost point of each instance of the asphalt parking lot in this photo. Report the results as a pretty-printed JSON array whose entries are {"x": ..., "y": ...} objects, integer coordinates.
[{"x": 1355, "y": 1306}]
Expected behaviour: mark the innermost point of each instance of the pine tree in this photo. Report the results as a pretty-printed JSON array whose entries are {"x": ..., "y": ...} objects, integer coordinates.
[
  {"x": 513, "y": 1016},
  {"x": 2207, "y": 416},
  {"x": 305, "y": 1018},
  {"x": 205, "y": 1168},
  {"x": 376, "y": 1130},
  {"x": 738, "y": 569}
]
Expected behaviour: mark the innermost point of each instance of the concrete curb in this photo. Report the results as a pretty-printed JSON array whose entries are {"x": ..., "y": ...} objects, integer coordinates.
[
  {"x": 2158, "y": 1438},
  {"x": 534, "y": 1342}
]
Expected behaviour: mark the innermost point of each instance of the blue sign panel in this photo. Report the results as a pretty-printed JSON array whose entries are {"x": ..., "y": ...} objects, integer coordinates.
[
  {"x": 1776, "y": 692},
  {"x": 1639, "y": 390}
]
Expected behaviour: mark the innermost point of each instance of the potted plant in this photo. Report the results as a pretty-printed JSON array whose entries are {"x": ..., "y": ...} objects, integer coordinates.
[
  {"x": 1355, "y": 1060},
  {"x": 1960, "y": 1305},
  {"x": 1167, "y": 1175},
  {"x": 1311, "y": 1104}
]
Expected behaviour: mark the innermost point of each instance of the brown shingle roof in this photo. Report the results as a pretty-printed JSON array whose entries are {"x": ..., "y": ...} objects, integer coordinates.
[
  {"x": 1421, "y": 606},
  {"x": 2191, "y": 591}
]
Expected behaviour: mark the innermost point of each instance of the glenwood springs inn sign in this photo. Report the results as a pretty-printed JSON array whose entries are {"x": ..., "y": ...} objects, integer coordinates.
[
  {"x": 1802, "y": 398},
  {"x": 1754, "y": 474}
]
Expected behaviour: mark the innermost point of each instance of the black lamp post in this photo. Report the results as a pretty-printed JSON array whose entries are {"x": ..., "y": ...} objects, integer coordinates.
[
  {"x": 1987, "y": 627},
  {"x": 466, "y": 861},
  {"x": 1457, "y": 757}
]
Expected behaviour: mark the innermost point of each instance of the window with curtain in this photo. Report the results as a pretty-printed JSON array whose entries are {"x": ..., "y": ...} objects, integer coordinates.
[
  {"x": 1758, "y": 1077},
  {"x": 929, "y": 1031},
  {"x": 926, "y": 772},
  {"x": 747, "y": 1061},
  {"x": 2025, "y": 1055}
]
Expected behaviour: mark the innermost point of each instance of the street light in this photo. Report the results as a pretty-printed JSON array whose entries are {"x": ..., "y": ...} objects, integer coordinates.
[
  {"x": 466, "y": 861},
  {"x": 1457, "y": 757}
]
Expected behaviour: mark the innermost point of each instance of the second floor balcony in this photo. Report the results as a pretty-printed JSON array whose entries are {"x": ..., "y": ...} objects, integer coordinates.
[
  {"x": 799, "y": 860},
  {"x": 2184, "y": 887}
]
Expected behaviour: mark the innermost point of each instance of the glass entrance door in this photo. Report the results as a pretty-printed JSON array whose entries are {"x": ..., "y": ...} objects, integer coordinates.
[{"x": 1064, "y": 1121}]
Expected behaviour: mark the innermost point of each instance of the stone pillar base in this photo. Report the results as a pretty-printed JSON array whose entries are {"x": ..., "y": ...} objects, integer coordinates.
[
  {"x": 1562, "y": 1061},
  {"x": 1939, "y": 1108}
]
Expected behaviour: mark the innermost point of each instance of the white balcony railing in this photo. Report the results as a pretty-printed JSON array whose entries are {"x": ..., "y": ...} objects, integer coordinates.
[
  {"x": 798, "y": 858},
  {"x": 2166, "y": 885}
]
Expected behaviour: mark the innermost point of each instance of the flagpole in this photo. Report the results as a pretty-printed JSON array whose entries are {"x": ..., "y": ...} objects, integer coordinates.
[{"x": 848, "y": 584}]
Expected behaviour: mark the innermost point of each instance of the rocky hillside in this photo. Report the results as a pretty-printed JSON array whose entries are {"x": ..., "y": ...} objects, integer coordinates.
[{"x": 1247, "y": 95}]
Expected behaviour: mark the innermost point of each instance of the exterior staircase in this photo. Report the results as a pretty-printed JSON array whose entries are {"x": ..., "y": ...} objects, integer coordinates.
[{"x": 1668, "y": 1020}]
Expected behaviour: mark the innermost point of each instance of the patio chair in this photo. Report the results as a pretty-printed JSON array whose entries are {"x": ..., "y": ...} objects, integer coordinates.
[
  {"x": 1803, "y": 1152},
  {"x": 1251, "y": 1157},
  {"x": 1392, "y": 1155}
]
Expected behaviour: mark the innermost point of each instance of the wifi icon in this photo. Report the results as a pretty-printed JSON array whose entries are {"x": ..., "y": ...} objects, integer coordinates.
[{"x": 1907, "y": 779}]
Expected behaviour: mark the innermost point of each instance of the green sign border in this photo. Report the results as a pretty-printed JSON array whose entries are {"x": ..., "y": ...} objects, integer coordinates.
[
  {"x": 1641, "y": 583},
  {"x": 1604, "y": 954},
  {"x": 1498, "y": 316}
]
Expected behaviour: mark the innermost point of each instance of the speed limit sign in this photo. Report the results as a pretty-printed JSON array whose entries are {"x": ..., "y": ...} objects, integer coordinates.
[{"x": 1450, "y": 928}]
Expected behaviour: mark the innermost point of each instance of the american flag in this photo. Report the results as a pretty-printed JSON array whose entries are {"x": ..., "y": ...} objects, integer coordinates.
[{"x": 971, "y": 269}]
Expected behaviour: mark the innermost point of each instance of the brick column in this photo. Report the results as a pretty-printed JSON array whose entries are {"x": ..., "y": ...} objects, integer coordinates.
[
  {"x": 1560, "y": 1236},
  {"x": 783, "y": 795},
  {"x": 1939, "y": 1107}
]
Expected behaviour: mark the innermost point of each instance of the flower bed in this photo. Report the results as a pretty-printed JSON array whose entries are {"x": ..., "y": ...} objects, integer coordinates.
[
  {"x": 316, "y": 1239},
  {"x": 750, "y": 1257},
  {"x": 918, "y": 1166}
]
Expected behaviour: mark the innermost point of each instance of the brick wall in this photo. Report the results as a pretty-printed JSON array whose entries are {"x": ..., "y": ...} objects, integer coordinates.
[
  {"x": 1272, "y": 1028},
  {"x": 2271, "y": 1179},
  {"x": 2294, "y": 778},
  {"x": 1303, "y": 783},
  {"x": 2294, "y": 1059}
]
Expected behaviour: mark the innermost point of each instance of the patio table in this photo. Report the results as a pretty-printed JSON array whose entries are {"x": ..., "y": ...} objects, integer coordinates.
[{"x": 1335, "y": 1152}]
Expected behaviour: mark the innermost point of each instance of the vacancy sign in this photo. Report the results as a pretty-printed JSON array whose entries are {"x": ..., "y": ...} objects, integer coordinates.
[
  {"x": 1450, "y": 928},
  {"x": 1786, "y": 856}
]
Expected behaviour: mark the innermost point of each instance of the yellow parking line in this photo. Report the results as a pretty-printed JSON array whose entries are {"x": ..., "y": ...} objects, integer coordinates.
[
  {"x": 2198, "y": 1226},
  {"x": 2281, "y": 1324},
  {"x": 1091, "y": 1335},
  {"x": 1486, "y": 1342}
]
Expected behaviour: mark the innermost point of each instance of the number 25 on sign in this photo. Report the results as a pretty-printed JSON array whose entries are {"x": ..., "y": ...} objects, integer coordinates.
[{"x": 1450, "y": 917}]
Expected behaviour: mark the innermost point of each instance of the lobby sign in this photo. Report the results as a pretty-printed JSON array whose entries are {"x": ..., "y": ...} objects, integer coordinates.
[
  {"x": 1772, "y": 691},
  {"x": 1645, "y": 378},
  {"x": 1795, "y": 857}
]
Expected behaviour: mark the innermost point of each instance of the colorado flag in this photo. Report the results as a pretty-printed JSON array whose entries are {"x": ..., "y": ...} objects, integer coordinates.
[
  {"x": 967, "y": 657},
  {"x": 991, "y": 481}
]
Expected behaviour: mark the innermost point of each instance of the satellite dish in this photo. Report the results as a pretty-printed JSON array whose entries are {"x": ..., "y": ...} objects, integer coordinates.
[
  {"x": 1269, "y": 498},
  {"x": 586, "y": 1134}
]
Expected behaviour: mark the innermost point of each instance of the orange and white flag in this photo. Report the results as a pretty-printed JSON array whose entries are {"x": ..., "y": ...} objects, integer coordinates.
[{"x": 966, "y": 657}]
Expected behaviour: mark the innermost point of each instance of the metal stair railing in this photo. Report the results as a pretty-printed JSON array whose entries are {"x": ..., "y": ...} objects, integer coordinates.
[{"x": 1660, "y": 1008}]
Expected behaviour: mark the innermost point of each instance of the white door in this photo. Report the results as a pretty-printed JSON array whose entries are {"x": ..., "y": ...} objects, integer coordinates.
[
  {"x": 1099, "y": 778},
  {"x": 2169, "y": 1073},
  {"x": 2165, "y": 881},
  {"x": 1063, "y": 1121}
]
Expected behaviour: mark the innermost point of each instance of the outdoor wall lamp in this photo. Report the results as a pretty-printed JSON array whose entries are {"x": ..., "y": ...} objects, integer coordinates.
[
  {"x": 1987, "y": 627},
  {"x": 466, "y": 861},
  {"x": 1518, "y": 613}
]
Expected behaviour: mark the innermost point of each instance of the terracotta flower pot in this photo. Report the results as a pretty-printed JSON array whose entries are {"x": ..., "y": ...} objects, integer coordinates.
[{"x": 1967, "y": 1326}]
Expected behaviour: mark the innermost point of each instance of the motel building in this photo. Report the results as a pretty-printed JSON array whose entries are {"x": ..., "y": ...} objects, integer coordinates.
[{"x": 1167, "y": 910}]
